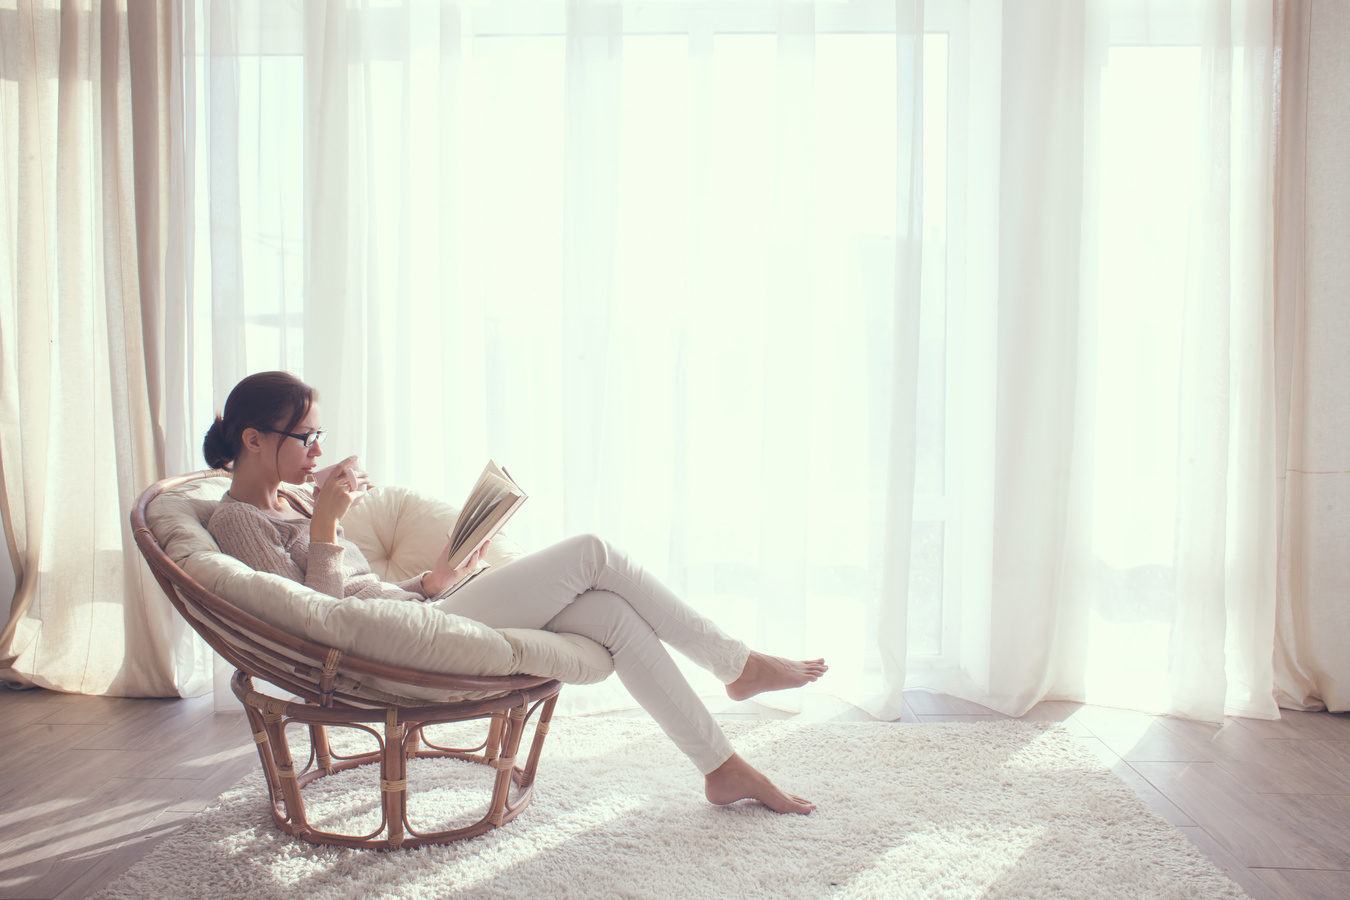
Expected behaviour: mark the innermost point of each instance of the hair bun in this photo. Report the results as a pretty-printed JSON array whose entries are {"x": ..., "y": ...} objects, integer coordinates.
[{"x": 217, "y": 447}]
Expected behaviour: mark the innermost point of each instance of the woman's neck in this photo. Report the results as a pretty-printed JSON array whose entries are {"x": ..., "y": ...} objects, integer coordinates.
[{"x": 247, "y": 487}]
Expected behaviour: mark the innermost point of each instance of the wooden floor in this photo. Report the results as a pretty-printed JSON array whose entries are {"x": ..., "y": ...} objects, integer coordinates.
[{"x": 89, "y": 785}]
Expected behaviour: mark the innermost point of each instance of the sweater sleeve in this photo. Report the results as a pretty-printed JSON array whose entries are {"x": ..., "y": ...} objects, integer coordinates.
[
  {"x": 413, "y": 585},
  {"x": 250, "y": 537},
  {"x": 325, "y": 570}
]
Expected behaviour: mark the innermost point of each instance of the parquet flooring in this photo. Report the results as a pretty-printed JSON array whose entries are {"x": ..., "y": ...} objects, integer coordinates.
[{"x": 89, "y": 785}]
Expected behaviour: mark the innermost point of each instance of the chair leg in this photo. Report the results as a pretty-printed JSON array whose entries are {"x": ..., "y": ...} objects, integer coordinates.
[
  {"x": 323, "y": 754},
  {"x": 494, "y": 741},
  {"x": 260, "y": 738},
  {"x": 537, "y": 745},
  {"x": 501, "y": 791},
  {"x": 394, "y": 784},
  {"x": 285, "y": 769},
  {"x": 412, "y": 743}
]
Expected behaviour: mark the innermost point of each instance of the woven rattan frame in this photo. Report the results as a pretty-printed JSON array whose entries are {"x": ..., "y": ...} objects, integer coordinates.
[{"x": 326, "y": 699}]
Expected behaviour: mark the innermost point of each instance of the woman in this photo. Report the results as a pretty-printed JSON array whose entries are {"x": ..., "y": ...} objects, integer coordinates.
[{"x": 270, "y": 434}]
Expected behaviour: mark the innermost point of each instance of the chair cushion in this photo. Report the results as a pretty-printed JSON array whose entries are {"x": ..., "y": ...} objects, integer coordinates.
[
  {"x": 396, "y": 552},
  {"x": 400, "y": 532}
]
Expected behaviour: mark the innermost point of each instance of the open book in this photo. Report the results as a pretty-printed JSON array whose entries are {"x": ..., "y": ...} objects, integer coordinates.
[{"x": 494, "y": 499}]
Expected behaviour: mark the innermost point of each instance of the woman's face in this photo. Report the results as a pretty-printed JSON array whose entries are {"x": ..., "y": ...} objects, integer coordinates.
[{"x": 295, "y": 461}]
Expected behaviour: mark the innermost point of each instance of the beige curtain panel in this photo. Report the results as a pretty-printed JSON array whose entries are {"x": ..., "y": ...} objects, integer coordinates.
[
  {"x": 87, "y": 128},
  {"x": 1312, "y": 357}
]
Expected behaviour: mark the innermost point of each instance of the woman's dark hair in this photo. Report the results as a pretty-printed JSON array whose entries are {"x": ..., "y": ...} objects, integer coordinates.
[{"x": 264, "y": 400}]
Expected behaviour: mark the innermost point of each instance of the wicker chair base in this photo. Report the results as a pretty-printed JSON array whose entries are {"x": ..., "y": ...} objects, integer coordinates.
[{"x": 402, "y": 739}]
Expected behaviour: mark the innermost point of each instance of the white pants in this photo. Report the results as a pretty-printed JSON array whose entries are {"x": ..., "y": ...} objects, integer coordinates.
[{"x": 586, "y": 586}]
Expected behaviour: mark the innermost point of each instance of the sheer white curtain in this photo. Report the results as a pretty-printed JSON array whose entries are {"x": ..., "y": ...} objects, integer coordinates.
[
  {"x": 646, "y": 255},
  {"x": 934, "y": 338},
  {"x": 1118, "y": 518}
]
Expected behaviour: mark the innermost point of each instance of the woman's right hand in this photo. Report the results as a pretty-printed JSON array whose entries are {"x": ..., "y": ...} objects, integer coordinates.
[
  {"x": 442, "y": 576},
  {"x": 332, "y": 503}
]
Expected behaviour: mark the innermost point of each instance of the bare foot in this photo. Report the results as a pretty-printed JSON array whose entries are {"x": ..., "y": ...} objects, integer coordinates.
[
  {"x": 773, "y": 673},
  {"x": 736, "y": 780}
]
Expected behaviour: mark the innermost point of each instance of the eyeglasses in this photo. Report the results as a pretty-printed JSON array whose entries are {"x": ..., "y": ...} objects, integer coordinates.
[{"x": 309, "y": 440}]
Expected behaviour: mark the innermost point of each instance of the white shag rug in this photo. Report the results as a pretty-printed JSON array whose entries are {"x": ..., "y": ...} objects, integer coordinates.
[{"x": 989, "y": 810}]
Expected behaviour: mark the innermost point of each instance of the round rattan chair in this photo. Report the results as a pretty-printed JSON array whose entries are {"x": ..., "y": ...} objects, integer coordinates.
[{"x": 336, "y": 688}]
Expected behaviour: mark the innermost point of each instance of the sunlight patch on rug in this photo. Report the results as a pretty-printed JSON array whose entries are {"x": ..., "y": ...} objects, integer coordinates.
[{"x": 942, "y": 859}]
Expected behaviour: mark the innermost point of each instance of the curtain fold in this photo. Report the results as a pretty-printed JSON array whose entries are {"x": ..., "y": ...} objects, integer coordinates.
[
  {"x": 592, "y": 109},
  {"x": 1225, "y": 514},
  {"x": 898, "y": 535},
  {"x": 1036, "y": 626}
]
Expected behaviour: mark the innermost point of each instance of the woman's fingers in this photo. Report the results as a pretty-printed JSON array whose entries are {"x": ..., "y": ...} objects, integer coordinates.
[
  {"x": 335, "y": 501},
  {"x": 344, "y": 471},
  {"x": 358, "y": 479}
]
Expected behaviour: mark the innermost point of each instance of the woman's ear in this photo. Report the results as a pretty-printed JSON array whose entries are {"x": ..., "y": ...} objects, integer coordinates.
[{"x": 252, "y": 439}]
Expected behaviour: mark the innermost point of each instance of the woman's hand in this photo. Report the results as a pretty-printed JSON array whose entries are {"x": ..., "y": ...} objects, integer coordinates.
[
  {"x": 320, "y": 476},
  {"x": 333, "y": 499},
  {"x": 442, "y": 576},
  {"x": 356, "y": 478}
]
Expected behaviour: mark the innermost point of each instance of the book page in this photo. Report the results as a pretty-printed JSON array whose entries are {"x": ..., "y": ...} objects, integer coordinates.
[
  {"x": 490, "y": 496},
  {"x": 494, "y": 499}
]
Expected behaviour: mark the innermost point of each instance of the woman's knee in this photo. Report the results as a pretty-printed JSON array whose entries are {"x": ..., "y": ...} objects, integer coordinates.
[
  {"x": 602, "y": 616},
  {"x": 590, "y": 548}
]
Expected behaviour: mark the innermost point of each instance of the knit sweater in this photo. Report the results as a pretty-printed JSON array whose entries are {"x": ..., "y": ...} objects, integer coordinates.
[{"x": 276, "y": 543}]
